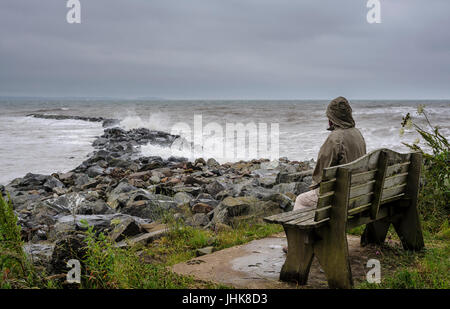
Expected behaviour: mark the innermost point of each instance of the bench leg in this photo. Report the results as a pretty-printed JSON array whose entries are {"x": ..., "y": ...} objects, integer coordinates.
[
  {"x": 332, "y": 253},
  {"x": 299, "y": 256},
  {"x": 375, "y": 232},
  {"x": 409, "y": 229}
]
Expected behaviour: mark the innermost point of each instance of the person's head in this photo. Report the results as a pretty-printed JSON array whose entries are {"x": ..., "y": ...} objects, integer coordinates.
[{"x": 339, "y": 114}]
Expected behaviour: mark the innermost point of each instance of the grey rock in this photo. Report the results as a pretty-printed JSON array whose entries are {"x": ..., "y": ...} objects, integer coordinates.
[
  {"x": 95, "y": 171},
  {"x": 69, "y": 247},
  {"x": 126, "y": 228},
  {"x": 116, "y": 197},
  {"x": 204, "y": 251},
  {"x": 52, "y": 183},
  {"x": 198, "y": 220},
  {"x": 142, "y": 239},
  {"x": 149, "y": 206},
  {"x": 182, "y": 198},
  {"x": 283, "y": 201},
  {"x": 39, "y": 254},
  {"x": 214, "y": 187}
]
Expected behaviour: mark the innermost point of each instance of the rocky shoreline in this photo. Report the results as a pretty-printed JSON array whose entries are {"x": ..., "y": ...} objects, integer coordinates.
[{"x": 126, "y": 195}]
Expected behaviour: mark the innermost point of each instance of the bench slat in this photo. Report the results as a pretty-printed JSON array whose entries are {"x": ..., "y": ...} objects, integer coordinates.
[
  {"x": 362, "y": 189},
  {"x": 286, "y": 216},
  {"x": 297, "y": 221},
  {"x": 395, "y": 180},
  {"x": 310, "y": 224},
  {"x": 323, "y": 213},
  {"x": 327, "y": 186},
  {"x": 392, "y": 191},
  {"x": 325, "y": 200},
  {"x": 363, "y": 177},
  {"x": 397, "y": 168}
]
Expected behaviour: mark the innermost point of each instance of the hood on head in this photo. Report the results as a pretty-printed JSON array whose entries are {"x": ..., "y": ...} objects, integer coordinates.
[{"x": 339, "y": 113}]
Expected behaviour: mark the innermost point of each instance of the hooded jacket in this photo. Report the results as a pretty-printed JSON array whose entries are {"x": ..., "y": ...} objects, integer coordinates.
[{"x": 344, "y": 144}]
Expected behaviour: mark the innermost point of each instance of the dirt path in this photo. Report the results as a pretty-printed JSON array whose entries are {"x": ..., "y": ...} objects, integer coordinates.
[{"x": 257, "y": 264}]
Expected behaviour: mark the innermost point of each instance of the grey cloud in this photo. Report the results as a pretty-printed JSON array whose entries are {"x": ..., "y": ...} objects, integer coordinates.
[{"x": 225, "y": 49}]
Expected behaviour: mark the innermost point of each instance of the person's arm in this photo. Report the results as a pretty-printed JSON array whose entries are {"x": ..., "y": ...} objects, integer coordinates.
[{"x": 328, "y": 156}]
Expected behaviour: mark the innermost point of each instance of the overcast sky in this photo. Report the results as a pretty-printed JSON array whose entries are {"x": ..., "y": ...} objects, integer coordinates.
[{"x": 226, "y": 49}]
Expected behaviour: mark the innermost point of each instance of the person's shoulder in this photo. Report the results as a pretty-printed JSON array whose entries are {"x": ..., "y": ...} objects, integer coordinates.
[{"x": 335, "y": 136}]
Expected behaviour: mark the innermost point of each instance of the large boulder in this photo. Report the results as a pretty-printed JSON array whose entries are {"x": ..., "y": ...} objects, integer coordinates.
[
  {"x": 214, "y": 187},
  {"x": 119, "y": 195},
  {"x": 149, "y": 206},
  {"x": 126, "y": 228},
  {"x": 232, "y": 210},
  {"x": 69, "y": 247},
  {"x": 100, "y": 223},
  {"x": 295, "y": 188}
]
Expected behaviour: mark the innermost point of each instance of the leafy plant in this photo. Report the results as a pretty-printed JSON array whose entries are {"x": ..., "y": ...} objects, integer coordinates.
[
  {"x": 435, "y": 189},
  {"x": 12, "y": 257}
]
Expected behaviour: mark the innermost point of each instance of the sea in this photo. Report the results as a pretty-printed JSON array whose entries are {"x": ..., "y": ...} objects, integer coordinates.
[{"x": 45, "y": 146}]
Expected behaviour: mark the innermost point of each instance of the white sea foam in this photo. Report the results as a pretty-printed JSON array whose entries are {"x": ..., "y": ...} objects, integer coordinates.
[
  {"x": 156, "y": 121},
  {"x": 45, "y": 146}
]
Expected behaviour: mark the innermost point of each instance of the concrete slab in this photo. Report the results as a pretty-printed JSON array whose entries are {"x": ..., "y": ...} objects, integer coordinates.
[{"x": 257, "y": 265}]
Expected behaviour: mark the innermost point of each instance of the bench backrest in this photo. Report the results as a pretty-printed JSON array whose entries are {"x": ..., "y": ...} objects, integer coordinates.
[{"x": 361, "y": 186}]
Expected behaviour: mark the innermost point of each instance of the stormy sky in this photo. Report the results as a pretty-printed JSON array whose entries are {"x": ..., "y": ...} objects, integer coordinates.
[{"x": 226, "y": 49}]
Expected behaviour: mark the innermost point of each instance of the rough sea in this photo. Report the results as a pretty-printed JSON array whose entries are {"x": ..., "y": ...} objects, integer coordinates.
[{"x": 45, "y": 146}]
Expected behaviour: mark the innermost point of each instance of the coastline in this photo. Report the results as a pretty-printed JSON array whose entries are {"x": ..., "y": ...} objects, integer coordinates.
[{"x": 116, "y": 184}]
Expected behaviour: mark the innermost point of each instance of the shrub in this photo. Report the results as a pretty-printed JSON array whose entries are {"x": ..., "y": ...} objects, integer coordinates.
[
  {"x": 434, "y": 194},
  {"x": 107, "y": 266},
  {"x": 12, "y": 258}
]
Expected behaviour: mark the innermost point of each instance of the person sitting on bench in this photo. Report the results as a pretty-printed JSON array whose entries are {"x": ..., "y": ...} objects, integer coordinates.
[{"x": 344, "y": 144}]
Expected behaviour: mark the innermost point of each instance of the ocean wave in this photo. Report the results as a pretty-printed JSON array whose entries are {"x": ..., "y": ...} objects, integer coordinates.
[{"x": 156, "y": 121}]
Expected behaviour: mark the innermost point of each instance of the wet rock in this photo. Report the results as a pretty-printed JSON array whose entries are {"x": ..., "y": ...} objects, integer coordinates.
[
  {"x": 198, "y": 220},
  {"x": 59, "y": 191},
  {"x": 199, "y": 162},
  {"x": 205, "y": 198},
  {"x": 95, "y": 171},
  {"x": 149, "y": 206},
  {"x": 204, "y": 251},
  {"x": 267, "y": 177},
  {"x": 100, "y": 223},
  {"x": 142, "y": 239},
  {"x": 234, "y": 209},
  {"x": 293, "y": 177},
  {"x": 182, "y": 198},
  {"x": 126, "y": 228},
  {"x": 69, "y": 247},
  {"x": 202, "y": 208},
  {"x": 293, "y": 187},
  {"x": 257, "y": 192},
  {"x": 52, "y": 183},
  {"x": 118, "y": 197},
  {"x": 39, "y": 254},
  {"x": 195, "y": 190},
  {"x": 285, "y": 202},
  {"x": 214, "y": 188},
  {"x": 81, "y": 180}
]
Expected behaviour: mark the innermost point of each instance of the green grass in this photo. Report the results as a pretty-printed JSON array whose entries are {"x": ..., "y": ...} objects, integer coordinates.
[
  {"x": 148, "y": 267},
  {"x": 427, "y": 270},
  {"x": 182, "y": 242}
]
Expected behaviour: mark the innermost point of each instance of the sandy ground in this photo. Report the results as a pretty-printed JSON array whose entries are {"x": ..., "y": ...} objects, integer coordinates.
[{"x": 257, "y": 265}]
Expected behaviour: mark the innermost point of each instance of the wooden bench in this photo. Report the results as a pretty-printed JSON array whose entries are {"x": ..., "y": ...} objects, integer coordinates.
[{"x": 378, "y": 189}]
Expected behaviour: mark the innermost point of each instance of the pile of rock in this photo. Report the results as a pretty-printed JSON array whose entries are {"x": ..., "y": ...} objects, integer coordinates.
[{"x": 119, "y": 192}]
